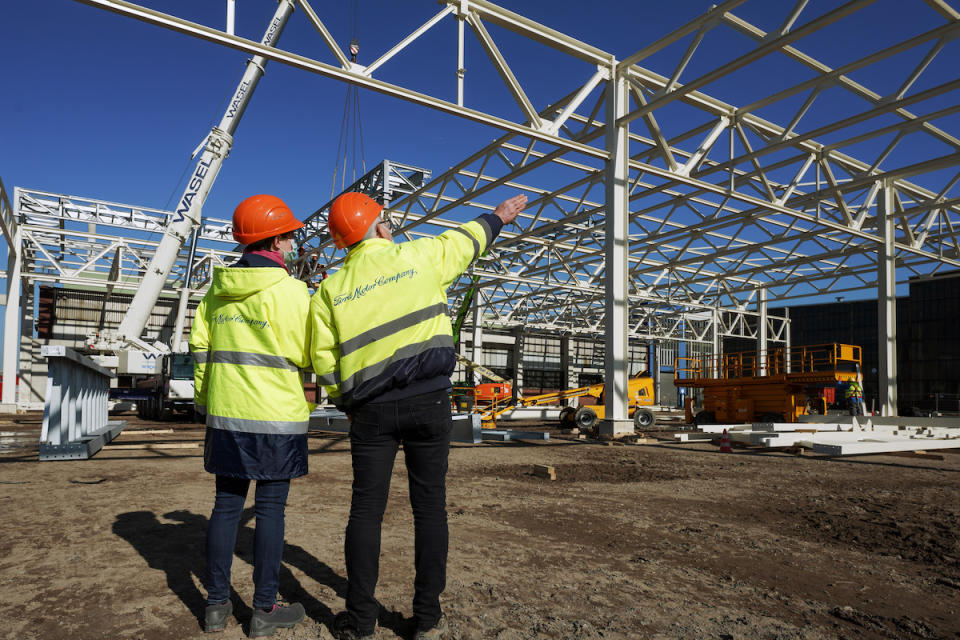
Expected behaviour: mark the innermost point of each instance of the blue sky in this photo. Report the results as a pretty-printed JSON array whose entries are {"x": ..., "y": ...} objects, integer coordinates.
[{"x": 99, "y": 105}]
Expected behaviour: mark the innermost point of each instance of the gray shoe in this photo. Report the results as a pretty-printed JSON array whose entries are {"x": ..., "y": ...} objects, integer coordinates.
[
  {"x": 436, "y": 632},
  {"x": 215, "y": 616},
  {"x": 264, "y": 623}
]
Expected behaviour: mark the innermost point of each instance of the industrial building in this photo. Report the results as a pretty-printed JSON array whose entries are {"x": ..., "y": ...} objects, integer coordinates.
[{"x": 668, "y": 216}]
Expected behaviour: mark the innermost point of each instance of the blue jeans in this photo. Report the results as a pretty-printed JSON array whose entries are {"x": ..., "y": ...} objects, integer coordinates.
[
  {"x": 422, "y": 423},
  {"x": 271, "y": 500}
]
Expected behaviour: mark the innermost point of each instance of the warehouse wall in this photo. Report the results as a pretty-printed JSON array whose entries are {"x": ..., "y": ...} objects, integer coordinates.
[
  {"x": 66, "y": 317},
  {"x": 928, "y": 343}
]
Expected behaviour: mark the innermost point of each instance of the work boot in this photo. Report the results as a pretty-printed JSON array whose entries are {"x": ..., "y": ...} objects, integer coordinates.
[
  {"x": 344, "y": 628},
  {"x": 264, "y": 623},
  {"x": 436, "y": 632},
  {"x": 215, "y": 616}
]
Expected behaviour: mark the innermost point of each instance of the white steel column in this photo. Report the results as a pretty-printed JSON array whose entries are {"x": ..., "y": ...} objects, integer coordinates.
[
  {"x": 887, "y": 305},
  {"x": 477, "y": 356},
  {"x": 231, "y": 15},
  {"x": 716, "y": 343},
  {"x": 616, "y": 253},
  {"x": 11, "y": 328},
  {"x": 461, "y": 71},
  {"x": 762, "y": 330},
  {"x": 788, "y": 343}
]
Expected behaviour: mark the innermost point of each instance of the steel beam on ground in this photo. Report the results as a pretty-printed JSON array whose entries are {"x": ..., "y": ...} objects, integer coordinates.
[
  {"x": 867, "y": 447},
  {"x": 75, "y": 417},
  {"x": 505, "y": 435}
]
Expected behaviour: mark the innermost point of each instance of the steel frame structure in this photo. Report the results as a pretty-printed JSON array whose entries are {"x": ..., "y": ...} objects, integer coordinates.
[{"x": 706, "y": 220}]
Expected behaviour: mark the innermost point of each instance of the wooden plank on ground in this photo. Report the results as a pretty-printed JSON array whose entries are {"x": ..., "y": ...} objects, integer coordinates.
[
  {"x": 544, "y": 471},
  {"x": 145, "y": 432},
  {"x": 156, "y": 445},
  {"x": 916, "y": 454}
]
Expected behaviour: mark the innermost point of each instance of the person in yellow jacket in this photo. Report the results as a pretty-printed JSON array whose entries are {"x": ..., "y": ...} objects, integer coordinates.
[
  {"x": 249, "y": 341},
  {"x": 854, "y": 396},
  {"x": 382, "y": 346}
]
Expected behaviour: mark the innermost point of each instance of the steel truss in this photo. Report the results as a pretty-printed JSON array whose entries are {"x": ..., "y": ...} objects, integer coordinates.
[
  {"x": 710, "y": 223},
  {"x": 80, "y": 241},
  {"x": 720, "y": 208}
]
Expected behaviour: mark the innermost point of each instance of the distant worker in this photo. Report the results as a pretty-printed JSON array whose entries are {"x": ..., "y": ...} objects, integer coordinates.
[
  {"x": 854, "y": 396},
  {"x": 249, "y": 342},
  {"x": 382, "y": 345}
]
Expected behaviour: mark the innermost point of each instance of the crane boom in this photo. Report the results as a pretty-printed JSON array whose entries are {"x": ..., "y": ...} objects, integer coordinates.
[{"x": 186, "y": 217}]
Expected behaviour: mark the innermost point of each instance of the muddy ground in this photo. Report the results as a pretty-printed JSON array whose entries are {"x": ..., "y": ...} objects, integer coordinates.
[{"x": 639, "y": 541}]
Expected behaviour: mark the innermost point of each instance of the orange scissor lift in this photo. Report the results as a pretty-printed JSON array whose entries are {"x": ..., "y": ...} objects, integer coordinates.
[{"x": 737, "y": 387}]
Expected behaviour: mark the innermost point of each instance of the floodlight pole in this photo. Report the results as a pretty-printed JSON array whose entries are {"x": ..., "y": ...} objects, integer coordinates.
[{"x": 616, "y": 252}]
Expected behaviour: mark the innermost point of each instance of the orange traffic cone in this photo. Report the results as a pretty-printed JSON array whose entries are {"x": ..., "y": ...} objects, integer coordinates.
[{"x": 725, "y": 443}]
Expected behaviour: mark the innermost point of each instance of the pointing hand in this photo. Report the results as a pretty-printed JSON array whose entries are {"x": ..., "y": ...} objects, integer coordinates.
[{"x": 509, "y": 209}]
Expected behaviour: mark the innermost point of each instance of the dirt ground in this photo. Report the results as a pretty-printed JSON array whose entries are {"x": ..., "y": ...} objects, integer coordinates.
[{"x": 638, "y": 541}]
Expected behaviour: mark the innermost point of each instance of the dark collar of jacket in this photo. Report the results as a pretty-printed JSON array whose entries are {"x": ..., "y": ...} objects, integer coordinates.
[{"x": 254, "y": 260}]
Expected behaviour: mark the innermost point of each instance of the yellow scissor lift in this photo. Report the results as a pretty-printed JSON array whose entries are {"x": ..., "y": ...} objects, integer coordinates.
[{"x": 736, "y": 388}]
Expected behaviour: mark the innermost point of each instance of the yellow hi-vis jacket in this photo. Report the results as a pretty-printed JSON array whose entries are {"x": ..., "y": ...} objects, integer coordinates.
[
  {"x": 249, "y": 342},
  {"x": 853, "y": 391},
  {"x": 380, "y": 328}
]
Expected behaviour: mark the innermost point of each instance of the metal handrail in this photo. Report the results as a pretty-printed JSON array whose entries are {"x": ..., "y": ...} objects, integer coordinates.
[{"x": 806, "y": 359}]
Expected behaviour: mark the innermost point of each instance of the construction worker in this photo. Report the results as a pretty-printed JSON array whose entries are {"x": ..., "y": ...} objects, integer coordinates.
[
  {"x": 854, "y": 396},
  {"x": 382, "y": 346},
  {"x": 249, "y": 342}
]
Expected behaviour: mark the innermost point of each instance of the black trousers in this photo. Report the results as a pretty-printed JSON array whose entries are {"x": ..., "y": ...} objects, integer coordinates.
[{"x": 422, "y": 424}]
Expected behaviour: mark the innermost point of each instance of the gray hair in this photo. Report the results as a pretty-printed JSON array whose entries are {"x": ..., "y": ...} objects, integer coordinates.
[{"x": 371, "y": 233}]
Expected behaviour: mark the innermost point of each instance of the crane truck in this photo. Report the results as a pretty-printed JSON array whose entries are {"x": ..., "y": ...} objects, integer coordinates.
[{"x": 164, "y": 387}]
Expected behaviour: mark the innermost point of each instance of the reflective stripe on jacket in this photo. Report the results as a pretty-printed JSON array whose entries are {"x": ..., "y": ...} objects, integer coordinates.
[
  {"x": 381, "y": 324},
  {"x": 249, "y": 342}
]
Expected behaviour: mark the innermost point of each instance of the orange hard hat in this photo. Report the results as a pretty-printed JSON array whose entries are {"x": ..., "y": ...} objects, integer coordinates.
[
  {"x": 351, "y": 214},
  {"x": 261, "y": 217}
]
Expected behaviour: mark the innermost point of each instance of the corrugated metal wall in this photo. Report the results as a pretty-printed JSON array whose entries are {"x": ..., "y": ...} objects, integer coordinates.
[{"x": 68, "y": 316}]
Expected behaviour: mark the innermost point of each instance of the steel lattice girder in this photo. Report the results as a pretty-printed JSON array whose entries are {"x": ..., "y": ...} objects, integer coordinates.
[
  {"x": 723, "y": 204},
  {"x": 57, "y": 247}
]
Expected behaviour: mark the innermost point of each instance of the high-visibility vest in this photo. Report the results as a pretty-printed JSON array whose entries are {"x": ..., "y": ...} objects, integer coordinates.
[
  {"x": 381, "y": 322},
  {"x": 249, "y": 343},
  {"x": 853, "y": 391}
]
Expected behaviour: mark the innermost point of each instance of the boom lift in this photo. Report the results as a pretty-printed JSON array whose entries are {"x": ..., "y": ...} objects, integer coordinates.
[
  {"x": 490, "y": 397},
  {"x": 168, "y": 391},
  {"x": 737, "y": 388},
  {"x": 639, "y": 395}
]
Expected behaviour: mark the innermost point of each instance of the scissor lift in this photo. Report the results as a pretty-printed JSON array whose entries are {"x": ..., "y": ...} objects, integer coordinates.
[{"x": 743, "y": 387}]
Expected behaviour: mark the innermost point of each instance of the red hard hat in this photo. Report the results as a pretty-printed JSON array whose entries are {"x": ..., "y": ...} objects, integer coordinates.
[
  {"x": 351, "y": 214},
  {"x": 261, "y": 217}
]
